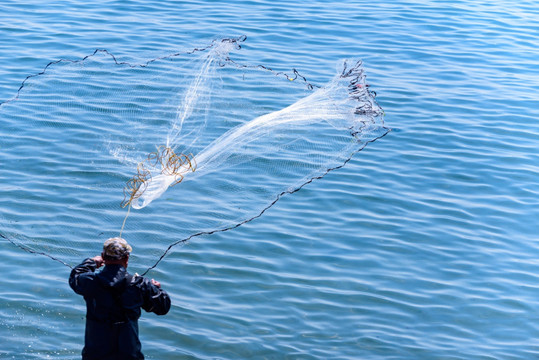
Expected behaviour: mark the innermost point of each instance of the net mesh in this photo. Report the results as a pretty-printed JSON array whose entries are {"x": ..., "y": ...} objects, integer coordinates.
[{"x": 191, "y": 143}]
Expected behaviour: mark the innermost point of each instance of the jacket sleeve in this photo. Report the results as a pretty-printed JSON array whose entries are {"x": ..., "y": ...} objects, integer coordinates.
[
  {"x": 156, "y": 300},
  {"x": 79, "y": 277}
]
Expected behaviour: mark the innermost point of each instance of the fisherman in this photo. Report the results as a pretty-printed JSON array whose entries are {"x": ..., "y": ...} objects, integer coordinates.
[{"x": 113, "y": 302}]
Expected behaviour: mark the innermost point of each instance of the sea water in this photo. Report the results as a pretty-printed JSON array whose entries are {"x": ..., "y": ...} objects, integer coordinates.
[{"x": 424, "y": 246}]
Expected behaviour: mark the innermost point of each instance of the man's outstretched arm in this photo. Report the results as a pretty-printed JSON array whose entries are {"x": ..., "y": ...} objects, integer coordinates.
[
  {"x": 156, "y": 300},
  {"x": 77, "y": 276}
]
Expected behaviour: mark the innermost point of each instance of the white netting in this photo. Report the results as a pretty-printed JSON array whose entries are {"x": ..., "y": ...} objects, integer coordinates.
[{"x": 231, "y": 138}]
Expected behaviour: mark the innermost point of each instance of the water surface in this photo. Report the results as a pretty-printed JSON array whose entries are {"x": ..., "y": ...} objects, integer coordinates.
[{"x": 424, "y": 246}]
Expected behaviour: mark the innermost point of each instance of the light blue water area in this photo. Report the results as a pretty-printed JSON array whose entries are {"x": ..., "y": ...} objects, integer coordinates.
[{"x": 424, "y": 246}]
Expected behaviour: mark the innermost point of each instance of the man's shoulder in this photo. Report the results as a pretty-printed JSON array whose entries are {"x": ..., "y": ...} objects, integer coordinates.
[
  {"x": 137, "y": 280},
  {"x": 144, "y": 284}
]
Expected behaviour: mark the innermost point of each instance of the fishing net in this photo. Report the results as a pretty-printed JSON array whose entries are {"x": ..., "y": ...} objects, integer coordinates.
[{"x": 180, "y": 146}]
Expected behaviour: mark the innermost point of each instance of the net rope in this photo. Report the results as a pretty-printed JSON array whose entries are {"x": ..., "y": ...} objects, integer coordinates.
[{"x": 214, "y": 141}]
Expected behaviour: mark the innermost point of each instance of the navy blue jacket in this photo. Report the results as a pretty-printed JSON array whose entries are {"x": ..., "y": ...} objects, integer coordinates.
[{"x": 113, "y": 302}]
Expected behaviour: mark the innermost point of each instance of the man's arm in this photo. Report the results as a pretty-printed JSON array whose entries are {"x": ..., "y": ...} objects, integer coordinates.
[
  {"x": 77, "y": 276},
  {"x": 156, "y": 300}
]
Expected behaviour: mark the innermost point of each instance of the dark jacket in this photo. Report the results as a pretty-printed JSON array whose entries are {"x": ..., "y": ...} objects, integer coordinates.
[{"x": 113, "y": 302}]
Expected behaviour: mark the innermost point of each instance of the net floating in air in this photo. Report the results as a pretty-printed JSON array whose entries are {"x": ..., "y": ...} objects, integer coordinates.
[{"x": 195, "y": 142}]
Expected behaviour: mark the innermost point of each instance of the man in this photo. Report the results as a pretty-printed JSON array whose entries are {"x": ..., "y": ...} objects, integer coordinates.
[{"x": 113, "y": 301}]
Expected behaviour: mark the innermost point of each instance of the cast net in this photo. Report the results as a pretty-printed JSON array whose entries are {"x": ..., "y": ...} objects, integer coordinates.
[{"x": 179, "y": 146}]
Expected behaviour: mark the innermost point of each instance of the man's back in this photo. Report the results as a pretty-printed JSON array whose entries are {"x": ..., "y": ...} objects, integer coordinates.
[{"x": 114, "y": 299}]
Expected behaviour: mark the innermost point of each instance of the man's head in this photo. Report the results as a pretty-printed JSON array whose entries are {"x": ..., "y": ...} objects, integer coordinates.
[{"x": 116, "y": 251}]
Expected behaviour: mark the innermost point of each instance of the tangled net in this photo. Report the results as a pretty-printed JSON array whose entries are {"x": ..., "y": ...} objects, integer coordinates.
[{"x": 169, "y": 163}]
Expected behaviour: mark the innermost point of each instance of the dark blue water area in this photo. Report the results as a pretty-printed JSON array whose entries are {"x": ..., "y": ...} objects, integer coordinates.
[{"x": 423, "y": 246}]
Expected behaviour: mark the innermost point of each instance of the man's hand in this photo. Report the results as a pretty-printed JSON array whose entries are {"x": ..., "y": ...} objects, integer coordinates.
[
  {"x": 98, "y": 261},
  {"x": 156, "y": 283}
]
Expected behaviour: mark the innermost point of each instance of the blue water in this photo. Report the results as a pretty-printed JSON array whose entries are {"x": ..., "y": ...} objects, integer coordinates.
[{"x": 424, "y": 246}]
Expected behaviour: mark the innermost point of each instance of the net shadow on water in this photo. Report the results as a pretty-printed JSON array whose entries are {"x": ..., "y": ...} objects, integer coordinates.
[{"x": 76, "y": 133}]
